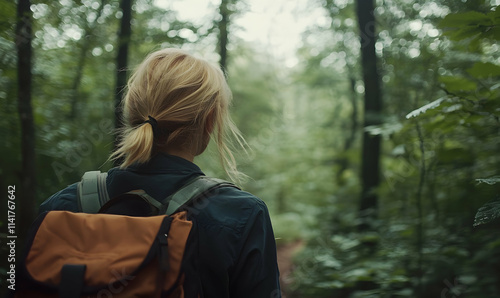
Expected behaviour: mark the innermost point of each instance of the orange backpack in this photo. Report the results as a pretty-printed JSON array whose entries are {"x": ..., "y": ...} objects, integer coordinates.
[{"x": 133, "y": 247}]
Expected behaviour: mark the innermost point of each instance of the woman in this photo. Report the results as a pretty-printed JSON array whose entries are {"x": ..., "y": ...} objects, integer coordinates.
[{"x": 174, "y": 104}]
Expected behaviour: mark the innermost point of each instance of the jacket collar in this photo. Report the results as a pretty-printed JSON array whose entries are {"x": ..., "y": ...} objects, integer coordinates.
[{"x": 165, "y": 163}]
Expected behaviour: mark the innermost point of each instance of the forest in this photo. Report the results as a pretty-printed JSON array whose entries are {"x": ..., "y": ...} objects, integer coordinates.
[{"x": 377, "y": 151}]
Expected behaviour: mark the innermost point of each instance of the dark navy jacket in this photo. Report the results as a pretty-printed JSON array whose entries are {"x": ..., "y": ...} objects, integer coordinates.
[{"x": 237, "y": 245}]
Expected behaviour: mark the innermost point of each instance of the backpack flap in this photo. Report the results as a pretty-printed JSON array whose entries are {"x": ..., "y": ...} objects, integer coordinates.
[{"x": 117, "y": 251}]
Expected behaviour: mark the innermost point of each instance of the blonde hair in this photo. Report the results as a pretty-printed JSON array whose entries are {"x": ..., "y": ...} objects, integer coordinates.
[{"x": 183, "y": 93}]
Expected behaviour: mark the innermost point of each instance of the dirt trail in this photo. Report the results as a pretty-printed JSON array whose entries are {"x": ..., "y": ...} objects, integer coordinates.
[{"x": 285, "y": 264}]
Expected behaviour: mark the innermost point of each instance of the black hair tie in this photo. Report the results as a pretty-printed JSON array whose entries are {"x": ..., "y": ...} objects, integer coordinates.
[{"x": 154, "y": 125}]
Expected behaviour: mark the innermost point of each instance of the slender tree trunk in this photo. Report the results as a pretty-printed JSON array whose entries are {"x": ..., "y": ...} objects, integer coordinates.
[
  {"x": 26, "y": 192},
  {"x": 349, "y": 141},
  {"x": 372, "y": 114},
  {"x": 122, "y": 60},
  {"x": 419, "y": 241},
  {"x": 223, "y": 33},
  {"x": 87, "y": 43}
]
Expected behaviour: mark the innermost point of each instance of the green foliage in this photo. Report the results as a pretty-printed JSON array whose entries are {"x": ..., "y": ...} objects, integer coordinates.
[
  {"x": 439, "y": 64},
  {"x": 424, "y": 244},
  {"x": 482, "y": 70},
  {"x": 472, "y": 25},
  {"x": 290, "y": 226},
  {"x": 488, "y": 212}
]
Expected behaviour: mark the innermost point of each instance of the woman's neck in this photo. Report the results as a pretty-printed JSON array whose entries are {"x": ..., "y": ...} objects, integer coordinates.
[{"x": 181, "y": 153}]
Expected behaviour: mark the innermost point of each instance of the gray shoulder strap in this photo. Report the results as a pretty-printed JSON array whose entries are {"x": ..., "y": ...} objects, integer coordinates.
[
  {"x": 193, "y": 190},
  {"x": 92, "y": 192}
]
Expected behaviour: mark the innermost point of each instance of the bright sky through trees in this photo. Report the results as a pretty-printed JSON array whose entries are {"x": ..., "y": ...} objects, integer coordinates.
[{"x": 274, "y": 25}]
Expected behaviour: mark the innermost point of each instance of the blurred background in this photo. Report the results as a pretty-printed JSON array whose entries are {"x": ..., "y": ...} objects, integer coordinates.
[{"x": 374, "y": 125}]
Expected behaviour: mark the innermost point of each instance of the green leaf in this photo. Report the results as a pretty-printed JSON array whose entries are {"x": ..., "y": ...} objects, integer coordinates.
[
  {"x": 454, "y": 84},
  {"x": 464, "y": 33},
  {"x": 452, "y": 108},
  {"x": 470, "y": 24},
  {"x": 493, "y": 32},
  {"x": 467, "y": 279},
  {"x": 469, "y": 18},
  {"x": 405, "y": 292},
  {"x": 423, "y": 109},
  {"x": 484, "y": 70},
  {"x": 334, "y": 284},
  {"x": 455, "y": 156},
  {"x": 359, "y": 274},
  {"x": 329, "y": 261},
  {"x": 489, "y": 212},
  {"x": 489, "y": 181},
  {"x": 385, "y": 129},
  {"x": 495, "y": 15}
]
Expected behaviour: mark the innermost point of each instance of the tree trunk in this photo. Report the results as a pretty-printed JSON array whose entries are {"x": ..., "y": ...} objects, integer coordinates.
[
  {"x": 122, "y": 61},
  {"x": 26, "y": 192},
  {"x": 419, "y": 233},
  {"x": 372, "y": 113},
  {"x": 87, "y": 43},
  {"x": 223, "y": 33},
  {"x": 349, "y": 141}
]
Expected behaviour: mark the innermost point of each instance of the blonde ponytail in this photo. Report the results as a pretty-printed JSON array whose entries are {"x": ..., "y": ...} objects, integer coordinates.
[
  {"x": 135, "y": 146},
  {"x": 184, "y": 94}
]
